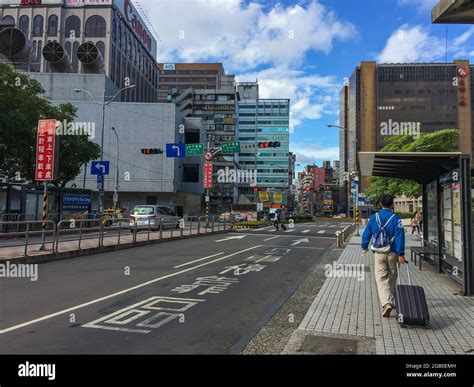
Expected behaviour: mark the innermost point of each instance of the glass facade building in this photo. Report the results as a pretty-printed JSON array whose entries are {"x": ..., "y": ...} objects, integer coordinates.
[{"x": 265, "y": 121}]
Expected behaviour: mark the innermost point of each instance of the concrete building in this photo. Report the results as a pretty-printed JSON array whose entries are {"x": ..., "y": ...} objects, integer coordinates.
[
  {"x": 382, "y": 100},
  {"x": 66, "y": 36},
  {"x": 264, "y": 136},
  {"x": 176, "y": 78}
]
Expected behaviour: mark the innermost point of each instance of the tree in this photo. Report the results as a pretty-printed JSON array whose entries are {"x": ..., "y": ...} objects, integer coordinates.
[
  {"x": 22, "y": 106},
  {"x": 444, "y": 140}
]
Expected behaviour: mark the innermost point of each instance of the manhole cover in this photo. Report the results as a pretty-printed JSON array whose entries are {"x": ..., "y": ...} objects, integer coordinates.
[{"x": 329, "y": 345}]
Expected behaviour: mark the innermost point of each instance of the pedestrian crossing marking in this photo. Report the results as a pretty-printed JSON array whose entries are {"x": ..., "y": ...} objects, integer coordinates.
[
  {"x": 305, "y": 231},
  {"x": 322, "y": 232}
]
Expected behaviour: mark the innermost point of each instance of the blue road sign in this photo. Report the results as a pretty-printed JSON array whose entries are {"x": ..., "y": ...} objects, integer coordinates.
[
  {"x": 354, "y": 185},
  {"x": 175, "y": 150},
  {"x": 100, "y": 168}
]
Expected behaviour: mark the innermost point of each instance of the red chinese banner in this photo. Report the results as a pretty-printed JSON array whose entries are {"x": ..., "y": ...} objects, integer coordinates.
[
  {"x": 208, "y": 169},
  {"x": 45, "y": 150}
]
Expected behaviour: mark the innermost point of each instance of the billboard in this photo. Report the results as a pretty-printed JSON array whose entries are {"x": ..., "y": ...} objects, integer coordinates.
[
  {"x": 137, "y": 24},
  {"x": 30, "y": 3}
]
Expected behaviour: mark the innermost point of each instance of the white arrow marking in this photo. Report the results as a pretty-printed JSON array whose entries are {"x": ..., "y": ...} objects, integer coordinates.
[
  {"x": 322, "y": 232},
  {"x": 230, "y": 238},
  {"x": 298, "y": 242},
  {"x": 176, "y": 148},
  {"x": 305, "y": 231}
]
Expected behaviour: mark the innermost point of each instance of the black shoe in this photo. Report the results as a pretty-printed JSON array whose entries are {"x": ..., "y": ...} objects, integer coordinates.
[{"x": 387, "y": 309}]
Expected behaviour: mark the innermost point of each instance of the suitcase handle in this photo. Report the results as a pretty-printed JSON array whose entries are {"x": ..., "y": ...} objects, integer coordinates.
[{"x": 408, "y": 272}]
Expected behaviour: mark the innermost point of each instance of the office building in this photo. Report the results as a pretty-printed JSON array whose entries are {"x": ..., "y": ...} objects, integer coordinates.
[
  {"x": 109, "y": 37},
  {"x": 264, "y": 136},
  {"x": 176, "y": 78},
  {"x": 383, "y": 100}
]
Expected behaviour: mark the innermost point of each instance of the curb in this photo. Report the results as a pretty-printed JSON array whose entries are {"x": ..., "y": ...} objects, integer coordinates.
[{"x": 44, "y": 258}]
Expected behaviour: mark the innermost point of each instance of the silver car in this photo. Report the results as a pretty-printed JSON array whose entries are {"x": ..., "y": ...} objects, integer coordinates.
[{"x": 144, "y": 217}]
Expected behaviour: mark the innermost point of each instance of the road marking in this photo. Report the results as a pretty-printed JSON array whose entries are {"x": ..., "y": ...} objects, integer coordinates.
[
  {"x": 298, "y": 242},
  {"x": 290, "y": 231},
  {"x": 230, "y": 238},
  {"x": 198, "y": 260},
  {"x": 322, "y": 232},
  {"x": 291, "y": 236},
  {"x": 80, "y": 306},
  {"x": 269, "y": 239},
  {"x": 274, "y": 230},
  {"x": 300, "y": 247},
  {"x": 305, "y": 231}
]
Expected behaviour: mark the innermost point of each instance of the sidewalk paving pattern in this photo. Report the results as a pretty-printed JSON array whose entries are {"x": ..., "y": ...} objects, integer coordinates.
[{"x": 346, "y": 307}]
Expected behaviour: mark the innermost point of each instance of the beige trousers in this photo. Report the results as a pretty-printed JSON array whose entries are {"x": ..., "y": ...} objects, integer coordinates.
[{"x": 386, "y": 275}]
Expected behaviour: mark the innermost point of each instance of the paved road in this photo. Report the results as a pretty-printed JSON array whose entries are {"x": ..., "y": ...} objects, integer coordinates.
[{"x": 202, "y": 295}]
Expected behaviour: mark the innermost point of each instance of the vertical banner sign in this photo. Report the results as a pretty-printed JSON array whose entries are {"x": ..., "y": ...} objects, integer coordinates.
[
  {"x": 45, "y": 151},
  {"x": 208, "y": 175},
  {"x": 45, "y": 164}
]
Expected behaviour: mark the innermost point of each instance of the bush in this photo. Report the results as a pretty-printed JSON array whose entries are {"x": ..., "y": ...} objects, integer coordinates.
[{"x": 254, "y": 223}]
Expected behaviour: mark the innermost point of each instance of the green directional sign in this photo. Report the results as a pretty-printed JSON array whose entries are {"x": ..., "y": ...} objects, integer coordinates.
[
  {"x": 194, "y": 149},
  {"x": 231, "y": 147}
]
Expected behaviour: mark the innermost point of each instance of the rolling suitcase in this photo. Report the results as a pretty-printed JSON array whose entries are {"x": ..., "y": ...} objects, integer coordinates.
[
  {"x": 410, "y": 303},
  {"x": 283, "y": 227}
]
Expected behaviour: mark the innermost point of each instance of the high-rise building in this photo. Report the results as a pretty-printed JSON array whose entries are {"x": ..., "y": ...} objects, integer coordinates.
[
  {"x": 383, "y": 100},
  {"x": 90, "y": 37},
  {"x": 264, "y": 135},
  {"x": 176, "y": 78}
]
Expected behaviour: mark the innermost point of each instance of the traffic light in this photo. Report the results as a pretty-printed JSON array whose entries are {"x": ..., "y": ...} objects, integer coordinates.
[
  {"x": 152, "y": 151},
  {"x": 269, "y": 144}
]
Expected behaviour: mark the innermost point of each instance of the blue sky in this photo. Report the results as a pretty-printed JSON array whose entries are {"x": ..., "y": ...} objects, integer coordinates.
[{"x": 303, "y": 49}]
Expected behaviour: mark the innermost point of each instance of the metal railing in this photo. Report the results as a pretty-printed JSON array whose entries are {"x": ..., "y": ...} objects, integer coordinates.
[{"x": 96, "y": 231}]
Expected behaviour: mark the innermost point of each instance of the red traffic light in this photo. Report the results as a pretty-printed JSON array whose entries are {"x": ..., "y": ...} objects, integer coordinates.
[
  {"x": 269, "y": 144},
  {"x": 152, "y": 151}
]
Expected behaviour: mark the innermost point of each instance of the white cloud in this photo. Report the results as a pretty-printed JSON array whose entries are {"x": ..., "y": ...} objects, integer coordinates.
[
  {"x": 312, "y": 153},
  {"x": 311, "y": 96},
  {"x": 411, "y": 44},
  {"x": 243, "y": 35}
]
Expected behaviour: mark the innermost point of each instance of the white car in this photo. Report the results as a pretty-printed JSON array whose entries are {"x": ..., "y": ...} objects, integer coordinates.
[{"x": 151, "y": 217}]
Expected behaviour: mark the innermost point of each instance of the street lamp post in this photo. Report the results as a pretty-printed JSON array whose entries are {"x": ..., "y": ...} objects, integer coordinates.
[
  {"x": 104, "y": 104},
  {"x": 352, "y": 177},
  {"x": 117, "y": 172}
]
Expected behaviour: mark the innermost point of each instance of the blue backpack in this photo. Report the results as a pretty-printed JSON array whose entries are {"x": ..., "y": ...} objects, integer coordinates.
[{"x": 381, "y": 240}]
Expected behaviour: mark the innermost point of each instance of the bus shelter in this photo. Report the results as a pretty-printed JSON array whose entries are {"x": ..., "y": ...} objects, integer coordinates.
[{"x": 447, "y": 183}]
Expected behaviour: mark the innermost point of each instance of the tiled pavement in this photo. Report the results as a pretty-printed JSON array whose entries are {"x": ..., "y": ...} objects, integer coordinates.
[{"x": 346, "y": 308}]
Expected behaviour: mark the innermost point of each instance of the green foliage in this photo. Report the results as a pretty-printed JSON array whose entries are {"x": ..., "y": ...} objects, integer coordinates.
[
  {"x": 22, "y": 106},
  {"x": 440, "y": 141}
]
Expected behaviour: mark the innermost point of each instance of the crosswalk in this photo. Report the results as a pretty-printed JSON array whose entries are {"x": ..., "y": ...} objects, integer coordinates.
[{"x": 321, "y": 229}]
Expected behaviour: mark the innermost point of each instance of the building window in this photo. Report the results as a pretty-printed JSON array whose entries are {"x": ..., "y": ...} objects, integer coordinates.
[
  {"x": 72, "y": 28},
  {"x": 9, "y": 19},
  {"x": 53, "y": 25},
  {"x": 38, "y": 22},
  {"x": 95, "y": 27},
  {"x": 24, "y": 24}
]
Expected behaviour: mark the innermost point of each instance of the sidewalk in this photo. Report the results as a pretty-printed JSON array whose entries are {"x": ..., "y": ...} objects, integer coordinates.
[{"x": 346, "y": 315}]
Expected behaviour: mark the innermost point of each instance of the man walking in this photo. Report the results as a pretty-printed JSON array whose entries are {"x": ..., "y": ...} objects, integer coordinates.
[
  {"x": 276, "y": 220},
  {"x": 386, "y": 230}
]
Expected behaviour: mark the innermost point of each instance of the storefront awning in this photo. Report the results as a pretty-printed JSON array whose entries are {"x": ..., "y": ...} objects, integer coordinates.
[{"x": 422, "y": 167}]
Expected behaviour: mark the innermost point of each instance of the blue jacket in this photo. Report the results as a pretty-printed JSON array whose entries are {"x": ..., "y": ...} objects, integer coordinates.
[{"x": 394, "y": 229}]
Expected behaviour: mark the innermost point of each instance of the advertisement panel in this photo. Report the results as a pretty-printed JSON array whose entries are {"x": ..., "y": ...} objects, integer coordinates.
[
  {"x": 30, "y": 3},
  {"x": 82, "y": 3},
  {"x": 208, "y": 169},
  {"x": 137, "y": 24}
]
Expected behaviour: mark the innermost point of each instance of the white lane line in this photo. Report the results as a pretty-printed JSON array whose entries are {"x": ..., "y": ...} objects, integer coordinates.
[
  {"x": 52, "y": 315},
  {"x": 269, "y": 239},
  {"x": 305, "y": 231},
  {"x": 322, "y": 232},
  {"x": 198, "y": 260},
  {"x": 274, "y": 230},
  {"x": 287, "y": 231}
]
